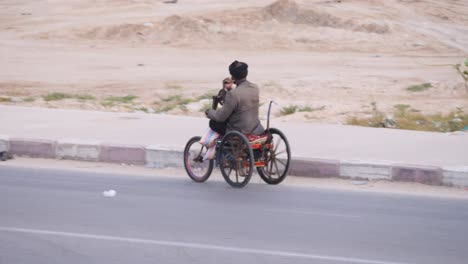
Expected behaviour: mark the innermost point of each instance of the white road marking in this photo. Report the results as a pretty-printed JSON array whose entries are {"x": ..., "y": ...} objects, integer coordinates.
[
  {"x": 312, "y": 213},
  {"x": 196, "y": 246}
]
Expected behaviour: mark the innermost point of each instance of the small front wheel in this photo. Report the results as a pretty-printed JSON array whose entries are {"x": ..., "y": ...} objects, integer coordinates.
[
  {"x": 236, "y": 159},
  {"x": 277, "y": 158},
  {"x": 199, "y": 170}
]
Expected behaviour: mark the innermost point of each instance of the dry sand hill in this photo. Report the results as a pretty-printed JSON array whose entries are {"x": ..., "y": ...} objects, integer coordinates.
[{"x": 335, "y": 59}]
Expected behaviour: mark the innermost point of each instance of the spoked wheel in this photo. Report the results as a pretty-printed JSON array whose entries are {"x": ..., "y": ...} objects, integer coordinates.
[
  {"x": 236, "y": 159},
  {"x": 198, "y": 169},
  {"x": 277, "y": 158}
]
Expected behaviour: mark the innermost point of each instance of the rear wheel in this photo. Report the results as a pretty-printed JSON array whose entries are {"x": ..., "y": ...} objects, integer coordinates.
[
  {"x": 277, "y": 158},
  {"x": 198, "y": 169},
  {"x": 236, "y": 159}
]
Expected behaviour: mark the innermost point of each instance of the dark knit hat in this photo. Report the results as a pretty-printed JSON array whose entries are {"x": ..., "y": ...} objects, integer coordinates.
[{"x": 238, "y": 70}]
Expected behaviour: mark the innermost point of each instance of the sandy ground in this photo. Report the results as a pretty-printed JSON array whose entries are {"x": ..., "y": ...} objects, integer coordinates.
[
  {"x": 400, "y": 188},
  {"x": 336, "y": 57}
]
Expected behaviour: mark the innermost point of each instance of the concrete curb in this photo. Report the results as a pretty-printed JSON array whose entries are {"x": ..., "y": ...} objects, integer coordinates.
[
  {"x": 135, "y": 155},
  {"x": 35, "y": 148},
  {"x": 162, "y": 157},
  {"x": 455, "y": 176},
  {"x": 317, "y": 168},
  {"x": 422, "y": 174},
  {"x": 366, "y": 170},
  {"x": 78, "y": 150},
  {"x": 4, "y": 143},
  {"x": 156, "y": 156}
]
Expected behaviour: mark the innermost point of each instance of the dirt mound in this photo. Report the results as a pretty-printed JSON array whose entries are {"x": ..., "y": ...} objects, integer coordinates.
[
  {"x": 183, "y": 25},
  {"x": 372, "y": 27},
  {"x": 176, "y": 29},
  {"x": 173, "y": 29},
  {"x": 124, "y": 31},
  {"x": 283, "y": 10},
  {"x": 290, "y": 11},
  {"x": 272, "y": 26}
]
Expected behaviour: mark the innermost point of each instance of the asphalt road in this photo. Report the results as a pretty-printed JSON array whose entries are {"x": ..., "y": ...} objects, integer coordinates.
[{"x": 54, "y": 216}]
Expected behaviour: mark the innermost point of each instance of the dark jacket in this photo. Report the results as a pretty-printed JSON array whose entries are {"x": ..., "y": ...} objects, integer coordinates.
[{"x": 240, "y": 110}]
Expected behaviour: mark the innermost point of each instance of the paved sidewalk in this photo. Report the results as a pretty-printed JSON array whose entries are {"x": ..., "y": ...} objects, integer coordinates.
[
  {"x": 157, "y": 141},
  {"x": 307, "y": 140}
]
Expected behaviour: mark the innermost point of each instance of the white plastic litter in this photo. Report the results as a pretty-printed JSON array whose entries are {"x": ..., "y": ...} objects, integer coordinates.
[{"x": 109, "y": 193}]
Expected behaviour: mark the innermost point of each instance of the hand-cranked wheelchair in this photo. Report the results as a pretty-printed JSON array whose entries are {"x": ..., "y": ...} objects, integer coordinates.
[{"x": 237, "y": 155}]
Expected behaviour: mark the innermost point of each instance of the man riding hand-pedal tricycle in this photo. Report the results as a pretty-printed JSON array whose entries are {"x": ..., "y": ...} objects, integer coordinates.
[{"x": 236, "y": 140}]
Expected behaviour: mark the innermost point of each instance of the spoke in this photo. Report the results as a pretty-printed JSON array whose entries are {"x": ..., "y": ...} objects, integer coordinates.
[
  {"x": 276, "y": 166},
  {"x": 271, "y": 166},
  {"x": 280, "y": 161},
  {"x": 281, "y": 152},
  {"x": 237, "y": 176},
  {"x": 277, "y": 144}
]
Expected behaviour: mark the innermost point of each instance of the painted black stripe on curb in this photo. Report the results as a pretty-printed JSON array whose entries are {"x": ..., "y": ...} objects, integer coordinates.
[
  {"x": 316, "y": 168},
  {"x": 35, "y": 148},
  {"x": 422, "y": 174},
  {"x": 134, "y": 155}
]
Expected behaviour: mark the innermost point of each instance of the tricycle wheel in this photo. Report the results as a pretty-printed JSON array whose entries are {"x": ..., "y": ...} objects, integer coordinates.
[
  {"x": 236, "y": 159},
  {"x": 277, "y": 158},
  {"x": 198, "y": 169}
]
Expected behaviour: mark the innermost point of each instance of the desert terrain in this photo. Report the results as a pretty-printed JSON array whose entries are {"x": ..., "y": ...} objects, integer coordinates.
[{"x": 329, "y": 60}]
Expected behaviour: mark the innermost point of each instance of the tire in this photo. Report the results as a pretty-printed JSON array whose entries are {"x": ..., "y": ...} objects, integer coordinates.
[
  {"x": 3, "y": 156},
  {"x": 277, "y": 159},
  {"x": 198, "y": 170},
  {"x": 236, "y": 155}
]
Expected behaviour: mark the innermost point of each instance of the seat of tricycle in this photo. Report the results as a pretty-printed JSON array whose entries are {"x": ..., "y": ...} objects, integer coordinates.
[{"x": 256, "y": 138}]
